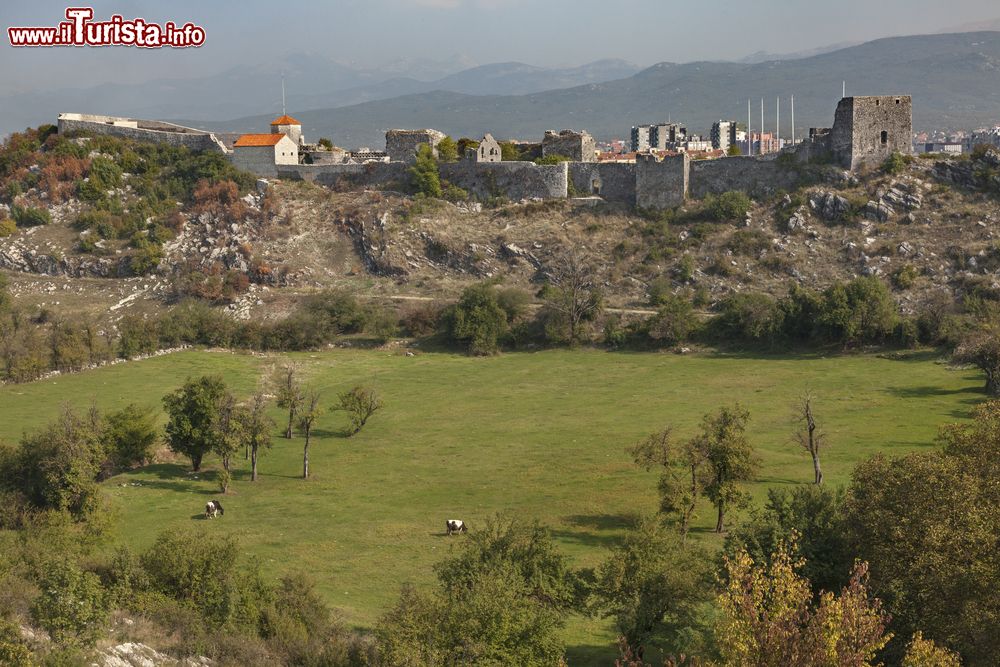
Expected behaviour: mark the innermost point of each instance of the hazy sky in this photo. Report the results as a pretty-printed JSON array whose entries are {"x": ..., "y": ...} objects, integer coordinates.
[{"x": 542, "y": 32}]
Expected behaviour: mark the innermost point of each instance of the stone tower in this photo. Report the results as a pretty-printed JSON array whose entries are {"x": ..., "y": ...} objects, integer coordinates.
[
  {"x": 867, "y": 130},
  {"x": 288, "y": 126}
]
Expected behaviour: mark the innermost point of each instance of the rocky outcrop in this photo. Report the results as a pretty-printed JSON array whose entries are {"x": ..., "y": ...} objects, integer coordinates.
[
  {"x": 139, "y": 655},
  {"x": 829, "y": 206}
]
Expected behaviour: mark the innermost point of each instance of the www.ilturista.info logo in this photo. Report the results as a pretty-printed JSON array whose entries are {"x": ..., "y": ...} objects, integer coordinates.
[{"x": 80, "y": 30}]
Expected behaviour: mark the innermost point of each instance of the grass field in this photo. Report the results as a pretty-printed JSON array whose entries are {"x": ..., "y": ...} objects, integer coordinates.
[{"x": 540, "y": 434}]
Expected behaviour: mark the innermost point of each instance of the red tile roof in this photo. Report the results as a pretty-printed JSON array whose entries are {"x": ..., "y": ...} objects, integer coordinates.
[
  {"x": 258, "y": 140},
  {"x": 285, "y": 120}
]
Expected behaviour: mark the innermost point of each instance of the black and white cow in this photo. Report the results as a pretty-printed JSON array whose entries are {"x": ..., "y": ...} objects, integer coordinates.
[
  {"x": 213, "y": 508},
  {"x": 455, "y": 526}
]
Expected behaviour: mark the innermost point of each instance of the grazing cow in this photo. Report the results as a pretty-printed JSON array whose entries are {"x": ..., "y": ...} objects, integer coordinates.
[
  {"x": 455, "y": 526},
  {"x": 213, "y": 508}
]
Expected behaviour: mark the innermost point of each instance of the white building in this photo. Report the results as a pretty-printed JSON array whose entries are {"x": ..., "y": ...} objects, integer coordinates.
[
  {"x": 288, "y": 125},
  {"x": 260, "y": 153}
]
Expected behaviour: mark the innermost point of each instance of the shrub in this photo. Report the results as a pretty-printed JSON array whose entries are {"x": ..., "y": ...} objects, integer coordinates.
[
  {"x": 129, "y": 435},
  {"x": 7, "y": 227},
  {"x": 750, "y": 317},
  {"x": 732, "y": 205},
  {"x": 27, "y": 216},
  {"x": 447, "y": 150},
  {"x": 905, "y": 276},
  {"x": 72, "y": 606},
  {"x": 422, "y": 320},
  {"x": 478, "y": 320},
  {"x": 894, "y": 164},
  {"x": 861, "y": 311},
  {"x": 748, "y": 242},
  {"x": 673, "y": 323}
]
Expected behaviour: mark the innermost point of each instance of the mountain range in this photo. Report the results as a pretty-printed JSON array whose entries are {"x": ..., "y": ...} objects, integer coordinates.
[{"x": 954, "y": 80}]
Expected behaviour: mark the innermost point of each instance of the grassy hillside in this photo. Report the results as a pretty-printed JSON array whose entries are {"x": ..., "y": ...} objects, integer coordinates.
[
  {"x": 538, "y": 434},
  {"x": 954, "y": 80}
]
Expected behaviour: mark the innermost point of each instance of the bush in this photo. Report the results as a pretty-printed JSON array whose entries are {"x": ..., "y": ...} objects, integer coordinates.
[
  {"x": 673, "y": 323},
  {"x": 905, "y": 276},
  {"x": 861, "y": 311},
  {"x": 894, "y": 164},
  {"x": 129, "y": 435},
  {"x": 748, "y": 242},
  {"x": 72, "y": 606},
  {"x": 478, "y": 320},
  {"x": 750, "y": 317},
  {"x": 7, "y": 227},
  {"x": 732, "y": 205},
  {"x": 27, "y": 216}
]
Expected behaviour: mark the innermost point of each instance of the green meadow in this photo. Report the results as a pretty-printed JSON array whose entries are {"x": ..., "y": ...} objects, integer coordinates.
[{"x": 541, "y": 435}]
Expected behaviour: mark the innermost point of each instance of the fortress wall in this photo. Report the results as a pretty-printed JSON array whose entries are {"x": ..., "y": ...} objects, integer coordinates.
[
  {"x": 753, "y": 175},
  {"x": 140, "y": 131},
  {"x": 661, "y": 184},
  {"x": 342, "y": 176},
  {"x": 614, "y": 181},
  {"x": 513, "y": 180}
]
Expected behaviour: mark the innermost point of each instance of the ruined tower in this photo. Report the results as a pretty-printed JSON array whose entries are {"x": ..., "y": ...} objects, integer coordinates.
[{"x": 867, "y": 130}]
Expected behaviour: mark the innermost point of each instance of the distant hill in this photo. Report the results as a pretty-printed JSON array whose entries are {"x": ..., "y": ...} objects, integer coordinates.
[
  {"x": 954, "y": 79},
  {"x": 312, "y": 82}
]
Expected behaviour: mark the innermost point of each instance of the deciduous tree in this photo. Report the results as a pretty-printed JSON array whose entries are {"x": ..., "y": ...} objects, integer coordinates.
[
  {"x": 308, "y": 415},
  {"x": 288, "y": 393},
  {"x": 729, "y": 455},
  {"x": 808, "y": 436},
  {"x": 360, "y": 403},
  {"x": 192, "y": 417}
]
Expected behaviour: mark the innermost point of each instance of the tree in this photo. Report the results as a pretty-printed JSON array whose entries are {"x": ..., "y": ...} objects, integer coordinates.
[
  {"x": 925, "y": 653},
  {"x": 288, "y": 393},
  {"x": 447, "y": 150},
  {"x": 927, "y": 523},
  {"x": 229, "y": 424},
  {"x": 308, "y": 415},
  {"x": 424, "y": 175},
  {"x": 861, "y": 311},
  {"x": 729, "y": 456},
  {"x": 808, "y": 437},
  {"x": 815, "y": 515},
  {"x": 325, "y": 143},
  {"x": 192, "y": 417},
  {"x": 572, "y": 294},
  {"x": 767, "y": 617},
  {"x": 129, "y": 435},
  {"x": 360, "y": 403},
  {"x": 502, "y": 600},
  {"x": 682, "y": 474},
  {"x": 57, "y": 467},
  {"x": 256, "y": 430},
  {"x": 509, "y": 151},
  {"x": 478, "y": 319},
  {"x": 734, "y": 150},
  {"x": 982, "y": 349},
  {"x": 651, "y": 585}
]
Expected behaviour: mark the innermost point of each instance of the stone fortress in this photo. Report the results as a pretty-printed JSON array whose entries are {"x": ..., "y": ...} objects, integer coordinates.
[{"x": 865, "y": 132}]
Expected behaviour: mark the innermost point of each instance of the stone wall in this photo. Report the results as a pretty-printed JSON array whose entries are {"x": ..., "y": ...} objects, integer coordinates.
[
  {"x": 401, "y": 145},
  {"x": 661, "y": 184},
  {"x": 757, "y": 176},
  {"x": 141, "y": 130},
  {"x": 577, "y": 146},
  {"x": 258, "y": 160},
  {"x": 344, "y": 176},
  {"x": 614, "y": 181},
  {"x": 513, "y": 180},
  {"x": 484, "y": 180}
]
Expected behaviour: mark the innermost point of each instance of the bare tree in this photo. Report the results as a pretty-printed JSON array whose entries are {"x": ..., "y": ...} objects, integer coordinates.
[
  {"x": 288, "y": 391},
  {"x": 808, "y": 437},
  {"x": 572, "y": 291},
  {"x": 308, "y": 414}
]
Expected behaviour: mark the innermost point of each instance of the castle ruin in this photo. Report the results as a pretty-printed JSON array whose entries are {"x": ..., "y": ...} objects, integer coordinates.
[{"x": 866, "y": 131}]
